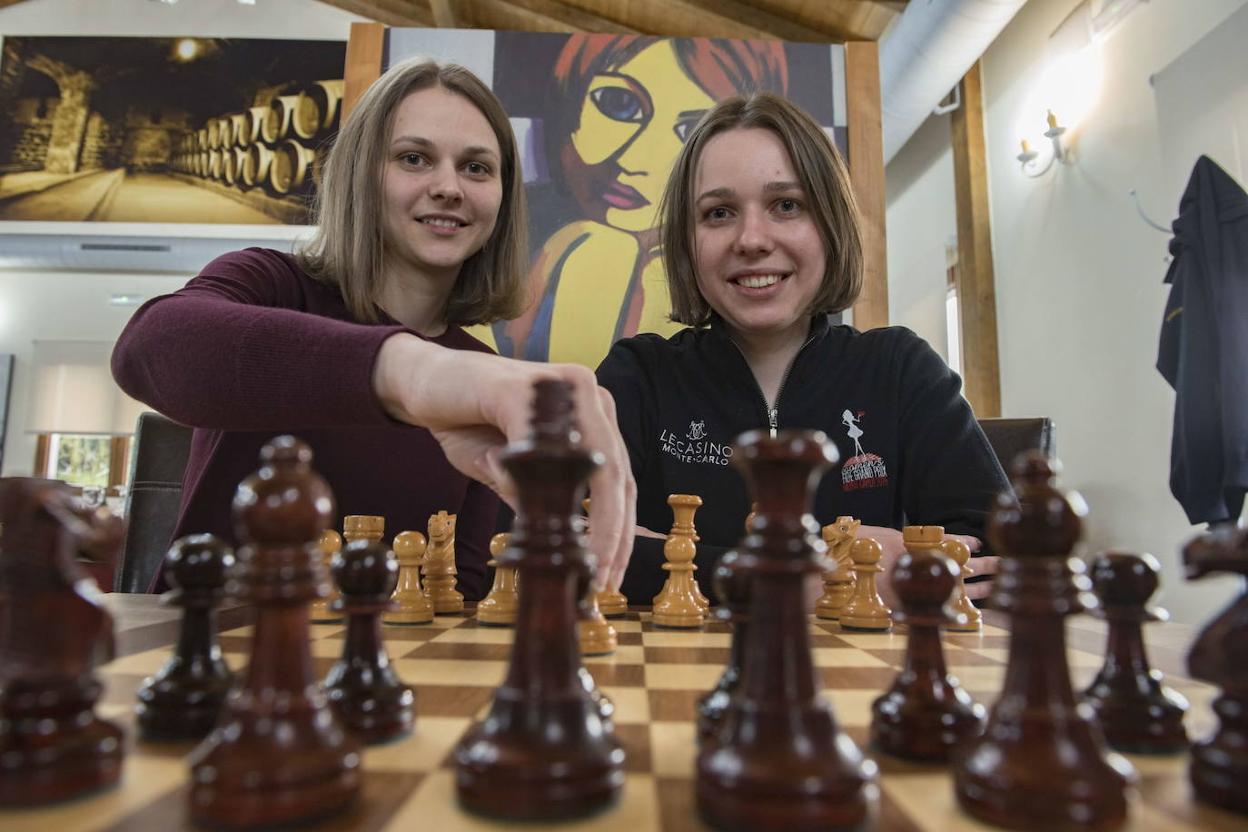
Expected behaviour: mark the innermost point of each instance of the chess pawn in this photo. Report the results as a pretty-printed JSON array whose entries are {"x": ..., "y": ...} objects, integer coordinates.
[
  {"x": 611, "y": 602},
  {"x": 499, "y": 607},
  {"x": 277, "y": 755},
  {"x": 182, "y": 701},
  {"x": 53, "y": 633},
  {"x": 866, "y": 610},
  {"x": 439, "y": 565},
  {"x": 926, "y": 713},
  {"x": 363, "y": 689},
  {"x": 1138, "y": 714},
  {"x": 679, "y": 604},
  {"x": 594, "y": 633},
  {"x": 968, "y": 618},
  {"x": 411, "y": 605},
  {"x": 838, "y": 582},
  {"x": 319, "y": 610},
  {"x": 1041, "y": 762}
]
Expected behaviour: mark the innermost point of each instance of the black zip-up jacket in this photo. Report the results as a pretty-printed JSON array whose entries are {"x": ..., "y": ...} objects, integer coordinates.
[{"x": 910, "y": 449}]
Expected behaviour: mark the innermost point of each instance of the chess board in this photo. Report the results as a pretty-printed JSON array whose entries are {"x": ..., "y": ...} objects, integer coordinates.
[{"x": 654, "y": 679}]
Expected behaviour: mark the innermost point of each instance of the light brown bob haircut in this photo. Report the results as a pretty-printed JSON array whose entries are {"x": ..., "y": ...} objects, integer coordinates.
[
  {"x": 348, "y": 249},
  {"x": 824, "y": 179}
]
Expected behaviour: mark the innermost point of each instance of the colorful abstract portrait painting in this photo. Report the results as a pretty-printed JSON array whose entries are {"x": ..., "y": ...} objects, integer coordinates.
[{"x": 601, "y": 118}]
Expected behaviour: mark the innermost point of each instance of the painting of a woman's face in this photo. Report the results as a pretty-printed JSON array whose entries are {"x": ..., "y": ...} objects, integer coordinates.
[{"x": 633, "y": 121}]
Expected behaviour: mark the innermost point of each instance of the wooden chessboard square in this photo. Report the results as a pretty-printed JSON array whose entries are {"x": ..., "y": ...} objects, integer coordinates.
[
  {"x": 981, "y": 677},
  {"x": 447, "y": 621},
  {"x": 450, "y": 700},
  {"x": 635, "y": 738},
  {"x": 977, "y": 641},
  {"x": 673, "y": 749},
  {"x": 467, "y": 633},
  {"x": 424, "y": 750},
  {"x": 149, "y": 662},
  {"x": 630, "y": 623},
  {"x": 685, "y": 638},
  {"x": 852, "y": 707},
  {"x": 824, "y": 639},
  {"x": 687, "y": 655},
  {"x": 326, "y": 648},
  {"x": 120, "y": 688},
  {"x": 451, "y": 672},
  {"x": 874, "y": 641},
  {"x": 623, "y": 654},
  {"x": 410, "y": 632},
  {"x": 617, "y": 675},
  {"x": 456, "y": 651},
  {"x": 845, "y": 657},
  {"x": 632, "y": 638},
  {"x": 674, "y": 705},
  {"x": 856, "y": 678},
  {"x": 632, "y": 705},
  {"x": 678, "y": 805},
  {"x": 682, "y": 677}
]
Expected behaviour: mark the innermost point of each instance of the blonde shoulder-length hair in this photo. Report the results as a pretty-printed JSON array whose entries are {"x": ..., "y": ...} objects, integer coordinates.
[
  {"x": 348, "y": 248},
  {"x": 824, "y": 179}
]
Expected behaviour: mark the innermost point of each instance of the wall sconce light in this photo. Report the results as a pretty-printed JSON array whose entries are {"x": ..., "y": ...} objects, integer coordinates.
[{"x": 1027, "y": 159}]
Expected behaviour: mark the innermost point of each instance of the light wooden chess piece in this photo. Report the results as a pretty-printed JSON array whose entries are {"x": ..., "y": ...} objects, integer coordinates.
[
  {"x": 499, "y": 607},
  {"x": 319, "y": 612},
  {"x": 611, "y": 602},
  {"x": 594, "y": 632},
  {"x": 679, "y": 604},
  {"x": 411, "y": 604},
  {"x": 866, "y": 609},
  {"x": 439, "y": 565},
  {"x": 960, "y": 603},
  {"x": 838, "y": 582}
]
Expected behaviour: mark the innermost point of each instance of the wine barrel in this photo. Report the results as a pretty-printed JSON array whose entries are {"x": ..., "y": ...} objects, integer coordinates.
[
  {"x": 256, "y": 165},
  {"x": 233, "y": 129},
  {"x": 316, "y": 110},
  {"x": 290, "y": 167},
  {"x": 202, "y": 165},
  {"x": 215, "y": 164},
  {"x": 201, "y": 138},
  {"x": 253, "y": 120},
  {"x": 232, "y": 163},
  {"x": 277, "y": 120},
  {"x": 214, "y": 134}
]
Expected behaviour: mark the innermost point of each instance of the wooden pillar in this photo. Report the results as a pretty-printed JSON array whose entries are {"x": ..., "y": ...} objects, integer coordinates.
[
  {"x": 977, "y": 294},
  {"x": 365, "y": 51},
  {"x": 118, "y": 461},
  {"x": 866, "y": 171},
  {"x": 43, "y": 450}
]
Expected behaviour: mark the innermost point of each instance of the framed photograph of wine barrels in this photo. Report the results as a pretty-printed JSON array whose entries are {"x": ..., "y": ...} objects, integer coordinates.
[{"x": 165, "y": 130}]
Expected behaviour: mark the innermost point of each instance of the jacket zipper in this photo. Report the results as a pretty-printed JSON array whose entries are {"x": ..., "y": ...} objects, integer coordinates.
[{"x": 773, "y": 413}]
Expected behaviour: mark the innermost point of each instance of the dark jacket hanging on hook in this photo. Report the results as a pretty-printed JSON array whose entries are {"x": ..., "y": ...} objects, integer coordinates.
[{"x": 1204, "y": 346}]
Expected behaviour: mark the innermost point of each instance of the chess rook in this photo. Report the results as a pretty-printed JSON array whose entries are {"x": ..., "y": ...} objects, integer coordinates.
[
  {"x": 182, "y": 701},
  {"x": 319, "y": 611},
  {"x": 499, "y": 607},
  {"x": 544, "y": 751},
  {"x": 1138, "y": 714},
  {"x": 363, "y": 689},
  {"x": 926, "y": 713},
  {"x": 277, "y": 755},
  {"x": 778, "y": 760},
  {"x": 52, "y": 635},
  {"x": 838, "y": 582},
  {"x": 1041, "y": 762},
  {"x": 411, "y": 605}
]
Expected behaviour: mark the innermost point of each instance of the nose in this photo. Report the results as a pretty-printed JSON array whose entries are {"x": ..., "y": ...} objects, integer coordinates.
[
  {"x": 753, "y": 235},
  {"x": 444, "y": 185}
]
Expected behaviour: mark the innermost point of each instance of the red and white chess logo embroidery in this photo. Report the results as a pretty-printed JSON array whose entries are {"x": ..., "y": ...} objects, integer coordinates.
[{"x": 863, "y": 469}]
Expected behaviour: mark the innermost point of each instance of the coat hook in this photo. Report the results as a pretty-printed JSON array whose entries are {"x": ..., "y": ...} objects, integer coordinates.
[{"x": 1140, "y": 208}]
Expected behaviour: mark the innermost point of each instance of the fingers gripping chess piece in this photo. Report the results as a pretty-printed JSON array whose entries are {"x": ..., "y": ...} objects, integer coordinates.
[
  {"x": 838, "y": 582},
  {"x": 778, "y": 760},
  {"x": 968, "y": 619},
  {"x": 544, "y": 751},
  {"x": 499, "y": 607},
  {"x": 679, "y": 603},
  {"x": 182, "y": 701},
  {"x": 277, "y": 756},
  {"x": 53, "y": 634},
  {"x": 611, "y": 602},
  {"x": 866, "y": 610},
  {"x": 596, "y": 635},
  {"x": 319, "y": 610},
  {"x": 411, "y": 604},
  {"x": 1138, "y": 714},
  {"x": 1041, "y": 762},
  {"x": 926, "y": 713},
  {"x": 439, "y": 565}
]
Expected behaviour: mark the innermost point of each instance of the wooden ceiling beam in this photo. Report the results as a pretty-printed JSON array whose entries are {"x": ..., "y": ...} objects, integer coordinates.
[
  {"x": 389, "y": 12},
  {"x": 444, "y": 16},
  {"x": 567, "y": 16}
]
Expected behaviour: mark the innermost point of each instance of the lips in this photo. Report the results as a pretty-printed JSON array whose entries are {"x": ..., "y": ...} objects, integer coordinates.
[
  {"x": 442, "y": 221},
  {"x": 619, "y": 195}
]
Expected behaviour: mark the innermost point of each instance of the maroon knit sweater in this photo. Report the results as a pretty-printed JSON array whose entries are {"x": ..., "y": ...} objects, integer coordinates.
[{"x": 253, "y": 348}]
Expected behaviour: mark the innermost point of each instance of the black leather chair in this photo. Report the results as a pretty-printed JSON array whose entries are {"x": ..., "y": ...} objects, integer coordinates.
[
  {"x": 161, "y": 449},
  {"x": 1010, "y": 437}
]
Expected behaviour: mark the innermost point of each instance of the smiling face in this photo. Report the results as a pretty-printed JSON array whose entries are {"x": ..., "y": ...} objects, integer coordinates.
[
  {"x": 632, "y": 124},
  {"x": 440, "y": 184},
  {"x": 759, "y": 258}
]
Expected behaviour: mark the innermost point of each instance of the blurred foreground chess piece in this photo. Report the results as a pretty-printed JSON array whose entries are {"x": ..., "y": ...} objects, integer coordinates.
[
  {"x": 277, "y": 756},
  {"x": 967, "y": 618},
  {"x": 54, "y": 633},
  {"x": 679, "y": 603},
  {"x": 1041, "y": 762},
  {"x": 544, "y": 750},
  {"x": 366, "y": 694},
  {"x": 439, "y": 565},
  {"x": 865, "y": 609},
  {"x": 926, "y": 713},
  {"x": 1138, "y": 714},
  {"x": 778, "y": 760},
  {"x": 183, "y": 700},
  {"x": 329, "y": 544},
  {"x": 838, "y": 582},
  {"x": 611, "y": 602},
  {"x": 1219, "y": 768},
  {"x": 499, "y": 607},
  {"x": 732, "y": 587},
  {"x": 411, "y": 604}
]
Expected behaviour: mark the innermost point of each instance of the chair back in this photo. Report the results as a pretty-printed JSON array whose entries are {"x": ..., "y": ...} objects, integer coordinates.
[
  {"x": 160, "y": 453},
  {"x": 1010, "y": 437}
]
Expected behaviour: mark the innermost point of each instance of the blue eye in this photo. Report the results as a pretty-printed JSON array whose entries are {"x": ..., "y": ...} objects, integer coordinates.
[{"x": 617, "y": 103}]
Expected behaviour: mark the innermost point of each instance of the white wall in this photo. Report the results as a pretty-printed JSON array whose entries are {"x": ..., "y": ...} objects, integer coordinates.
[
  {"x": 74, "y": 306},
  {"x": 1079, "y": 275}
]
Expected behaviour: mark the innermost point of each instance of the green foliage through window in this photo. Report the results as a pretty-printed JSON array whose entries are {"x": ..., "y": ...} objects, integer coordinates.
[{"x": 82, "y": 460}]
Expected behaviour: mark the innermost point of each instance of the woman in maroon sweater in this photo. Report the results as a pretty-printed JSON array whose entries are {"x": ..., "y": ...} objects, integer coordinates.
[{"x": 355, "y": 344}]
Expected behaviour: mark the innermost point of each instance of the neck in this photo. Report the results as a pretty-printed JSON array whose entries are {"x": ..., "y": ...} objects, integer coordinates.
[
  {"x": 769, "y": 355},
  {"x": 415, "y": 298}
]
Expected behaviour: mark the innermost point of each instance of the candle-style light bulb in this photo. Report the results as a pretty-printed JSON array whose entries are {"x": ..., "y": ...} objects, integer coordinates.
[
  {"x": 1052, "y": 120},
  {"x": 1026, "y": 146}
]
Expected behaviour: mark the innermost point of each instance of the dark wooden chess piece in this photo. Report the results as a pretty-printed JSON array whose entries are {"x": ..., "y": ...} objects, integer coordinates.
[
  {"x": 926, "y": 713},
  {"x": 53, "y": 634},
  {"x": 277, "y": 756},
  {"x": 1219, "y": 767},
  {"x": 1137, "y": 713},
  {"x": 733, "y": 589},
  {"x": 779, "y": 760},
  {"x": 182, "y": 701},
  {"x": 544, "y": 751},
  {"x": 1041, "y": 762},
  {"x": 364, "y": 691}
]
